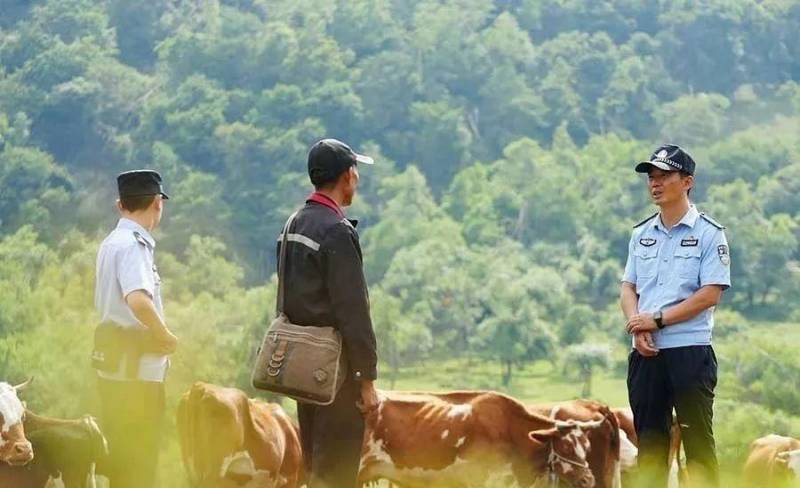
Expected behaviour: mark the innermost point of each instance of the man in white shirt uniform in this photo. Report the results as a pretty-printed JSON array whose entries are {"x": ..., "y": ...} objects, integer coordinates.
[{"x": 132, "y": 342}]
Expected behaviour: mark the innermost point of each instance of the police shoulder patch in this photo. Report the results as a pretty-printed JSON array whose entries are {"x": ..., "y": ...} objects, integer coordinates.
[
  {"x": 648, "y": 219},
  {"x": 712, "y": 221},
  {"x": 724, "y": 254}
]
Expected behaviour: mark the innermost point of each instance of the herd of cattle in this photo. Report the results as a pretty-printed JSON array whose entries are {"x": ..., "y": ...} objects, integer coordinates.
[{"x": 413, "y": 439}]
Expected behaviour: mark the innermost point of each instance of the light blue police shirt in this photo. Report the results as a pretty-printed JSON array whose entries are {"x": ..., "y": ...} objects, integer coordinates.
[
  {"x": 125, "y": 264},
  {"x": 668, "y": 266}
]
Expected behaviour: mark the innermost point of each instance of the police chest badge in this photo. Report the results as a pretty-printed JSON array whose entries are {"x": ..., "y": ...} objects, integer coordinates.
[
  {"x": 690, "y": 242},
  {"x": 647, "y": 242},
  {"x": 724, "y": 255}
]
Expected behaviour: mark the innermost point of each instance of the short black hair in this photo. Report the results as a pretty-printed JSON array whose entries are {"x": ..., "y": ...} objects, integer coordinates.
[
  {"x": 137, "y": 202},
  {"x": 685, "y": 173},
  {"x": 322, "y": 182}
]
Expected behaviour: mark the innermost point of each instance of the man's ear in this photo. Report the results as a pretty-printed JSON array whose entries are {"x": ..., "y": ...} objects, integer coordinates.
[
  {"x": 119, "y": 205},
  {"x": 353, "y": 172}
]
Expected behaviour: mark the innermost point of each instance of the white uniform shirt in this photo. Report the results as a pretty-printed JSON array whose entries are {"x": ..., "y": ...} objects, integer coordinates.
[{"x": 125, "y": 264}]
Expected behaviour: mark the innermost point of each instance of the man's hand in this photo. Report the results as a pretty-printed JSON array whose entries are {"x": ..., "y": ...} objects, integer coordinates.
[
  {"x": 144, "y": 310},
  {"x": 643, "y": 342},
  {"x": 642, "y": 322},
  {"x": 369, "y": 397},
  {"x": 167, "y": 342}
]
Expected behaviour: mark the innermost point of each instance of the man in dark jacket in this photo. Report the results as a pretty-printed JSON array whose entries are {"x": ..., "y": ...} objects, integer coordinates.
[{"x": 325, "y": 286}]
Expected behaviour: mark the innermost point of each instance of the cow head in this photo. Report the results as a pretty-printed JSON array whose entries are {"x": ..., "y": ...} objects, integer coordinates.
[
  {"x": 211, "y": 423},
  {"x": 790, "y": 459},
  {"x": 14, "y": 447},
  {"x": 568, "y": 446}
]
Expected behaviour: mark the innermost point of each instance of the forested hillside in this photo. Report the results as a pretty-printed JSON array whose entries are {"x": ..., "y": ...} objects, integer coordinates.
[{"x": 495, "y": 222}]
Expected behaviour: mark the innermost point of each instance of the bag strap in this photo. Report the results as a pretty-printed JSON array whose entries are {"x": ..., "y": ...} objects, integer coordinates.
[{"x": 281, "y": 299}]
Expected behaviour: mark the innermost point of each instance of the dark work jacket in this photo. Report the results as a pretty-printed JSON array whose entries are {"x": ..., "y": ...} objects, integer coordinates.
[{"x": 325, "y": 284}]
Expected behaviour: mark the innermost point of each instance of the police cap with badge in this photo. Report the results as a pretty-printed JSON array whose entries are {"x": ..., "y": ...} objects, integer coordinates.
[
  {"x": 668, "y": 157},
  {"x": 140, "y": 183}
]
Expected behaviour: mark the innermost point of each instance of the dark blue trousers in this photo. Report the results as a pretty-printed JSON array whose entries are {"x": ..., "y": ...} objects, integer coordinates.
[
  {"x": 682, "y": 378},
  {"x": 332, "y": 436}
]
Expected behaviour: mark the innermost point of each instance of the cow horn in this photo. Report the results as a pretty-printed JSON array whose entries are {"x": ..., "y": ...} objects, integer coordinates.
[
  {"x": 591, "y": 424},
  {"x": 563, "y": 425},
  {"x": 24, "y": 384}
]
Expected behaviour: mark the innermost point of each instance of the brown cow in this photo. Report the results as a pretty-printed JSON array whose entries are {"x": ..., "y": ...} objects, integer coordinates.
[
  {"x": 67, "y": 452},
  {"x": 774, "y": 460},
  {"x": 228, "y": 439},
  {"x": 470, "y": 439},
  {"x": 604, "y": 442},
  {"x": 15, "y": 449}
]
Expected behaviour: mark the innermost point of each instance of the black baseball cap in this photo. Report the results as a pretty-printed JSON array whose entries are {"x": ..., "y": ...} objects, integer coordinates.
[
  {"x": 139, "y": 183},
  {"x": 329, "y": 158},
  {"x": 668, "y": 157}
]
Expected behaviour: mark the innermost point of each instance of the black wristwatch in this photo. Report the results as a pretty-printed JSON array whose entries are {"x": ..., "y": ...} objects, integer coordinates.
[{"x": 659, "y": 318}]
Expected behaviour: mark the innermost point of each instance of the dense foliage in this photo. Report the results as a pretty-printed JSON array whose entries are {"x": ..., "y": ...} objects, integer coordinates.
[{"x": 495, "y": 224}]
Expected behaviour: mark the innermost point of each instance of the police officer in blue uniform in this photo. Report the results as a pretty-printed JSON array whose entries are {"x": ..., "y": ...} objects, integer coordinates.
[
  {"x": 677, "y": 269},
  {"x": 132, "y": 342}
]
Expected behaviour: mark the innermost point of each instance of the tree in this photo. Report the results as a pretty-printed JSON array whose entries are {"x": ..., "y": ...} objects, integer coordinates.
[
  {"x": 587, "y": 357},
  {"x": 514, "y": 326},
  {"x": 692, "y": 119},
  {"x": 402, "y": 337}
]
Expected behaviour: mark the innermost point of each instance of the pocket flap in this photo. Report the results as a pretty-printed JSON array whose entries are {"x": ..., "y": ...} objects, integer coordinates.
[{"x": 687, "y": 252}]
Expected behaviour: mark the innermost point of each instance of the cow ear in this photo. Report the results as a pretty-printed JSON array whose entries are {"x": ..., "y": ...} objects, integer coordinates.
[{"x": 543, "y": 436}]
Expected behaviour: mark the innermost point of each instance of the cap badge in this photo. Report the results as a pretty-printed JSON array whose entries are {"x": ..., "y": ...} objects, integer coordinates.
[{"x": 662, "y": 153}]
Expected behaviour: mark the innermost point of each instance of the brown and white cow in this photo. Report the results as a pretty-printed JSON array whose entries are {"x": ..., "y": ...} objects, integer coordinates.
[
  {"x": 774, "y": 460},
  {"x": 470, "y": 439},
  {"x": 604, "y": 442},
  {"x": 629, "y": 448},
  {"x": 67, "y": 452},
  {"x": 629, "y": 441},
  {"x": 230, "y": 440},
  {"x": 15, "y": 449}
]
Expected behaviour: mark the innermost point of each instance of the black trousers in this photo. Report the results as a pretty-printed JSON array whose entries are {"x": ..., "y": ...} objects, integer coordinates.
[
  {"x": 683, "y": 378},
  {"x": 332, "y": 436},
  {"x": 131, "y": 417}
]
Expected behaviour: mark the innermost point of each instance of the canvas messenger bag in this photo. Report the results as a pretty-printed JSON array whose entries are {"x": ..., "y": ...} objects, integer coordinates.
[{"x": 302, "y": 362}]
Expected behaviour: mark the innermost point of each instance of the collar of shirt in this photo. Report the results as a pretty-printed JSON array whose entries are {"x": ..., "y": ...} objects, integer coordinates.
[
  {"x": 318, "y": 197},
  {"x": 131, "y": 225},
  {"x": 688, "y": 219}
]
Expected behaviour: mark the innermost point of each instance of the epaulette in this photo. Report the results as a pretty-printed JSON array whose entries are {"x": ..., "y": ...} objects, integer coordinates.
[
  {"x": 712, "y": 221},
  {"x": 140, "y": 239},
  {"x": 648, "y": 219}
]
